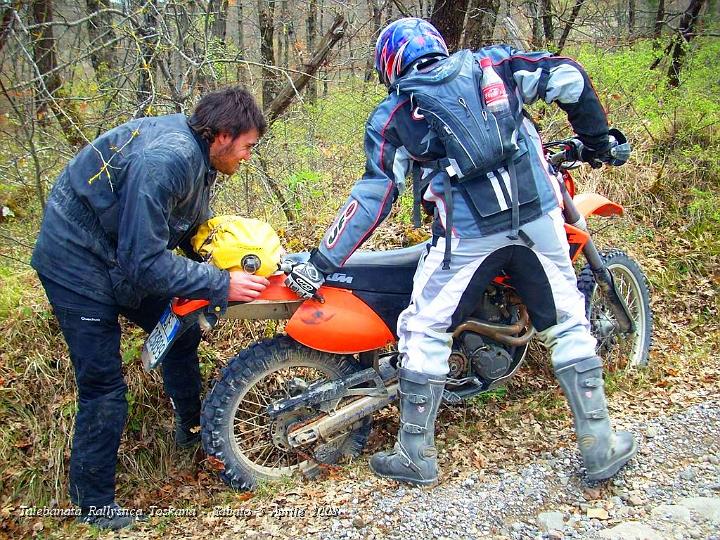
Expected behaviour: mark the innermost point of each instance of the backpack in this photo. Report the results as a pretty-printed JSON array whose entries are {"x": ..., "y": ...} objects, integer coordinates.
[
  {"x": 448, "y": 95},
  {"x": 476, "y": 141}
]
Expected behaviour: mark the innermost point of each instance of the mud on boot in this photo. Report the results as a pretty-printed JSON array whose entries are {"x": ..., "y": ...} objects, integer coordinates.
[
  {"x": 414, "y": 457},
  {"x": 604, "y": 451}
]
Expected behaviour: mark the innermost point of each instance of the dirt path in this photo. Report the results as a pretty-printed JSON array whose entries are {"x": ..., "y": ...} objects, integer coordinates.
[{"x": 670, "y": 491}]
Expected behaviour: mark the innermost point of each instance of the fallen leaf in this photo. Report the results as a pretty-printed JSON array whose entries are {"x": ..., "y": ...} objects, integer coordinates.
[{"x": 215, "y": 463}]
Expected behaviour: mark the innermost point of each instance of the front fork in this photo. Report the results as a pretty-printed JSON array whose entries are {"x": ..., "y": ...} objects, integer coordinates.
[{"x": 603, "y": 277}]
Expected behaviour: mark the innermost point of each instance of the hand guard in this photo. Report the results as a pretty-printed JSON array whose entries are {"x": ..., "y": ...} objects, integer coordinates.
[{"x": 305, "y": 280}]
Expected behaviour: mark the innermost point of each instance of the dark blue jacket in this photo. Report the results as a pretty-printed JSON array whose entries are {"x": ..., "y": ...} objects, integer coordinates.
[{"x": 120, "y": 208}]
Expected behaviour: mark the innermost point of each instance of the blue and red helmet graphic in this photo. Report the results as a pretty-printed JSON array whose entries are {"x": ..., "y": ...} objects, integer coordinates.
[{"x": 401, "y": 43}]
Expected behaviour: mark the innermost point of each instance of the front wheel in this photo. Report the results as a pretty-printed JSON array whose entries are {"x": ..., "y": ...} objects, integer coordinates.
[
  {"x": 617, "y": 349},
  {"x": 244, "y": 441}
]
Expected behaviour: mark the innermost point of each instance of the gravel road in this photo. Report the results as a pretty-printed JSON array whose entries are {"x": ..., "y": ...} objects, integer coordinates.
[{"x": 671, "y": 490}]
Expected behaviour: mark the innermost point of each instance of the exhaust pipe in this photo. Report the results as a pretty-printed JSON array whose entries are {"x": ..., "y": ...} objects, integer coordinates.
[
  {"x": 502, "y": 333},
  {"x": 325, "y": 427}
]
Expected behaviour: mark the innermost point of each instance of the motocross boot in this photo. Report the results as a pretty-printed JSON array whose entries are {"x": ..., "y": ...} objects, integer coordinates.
[
  {"x": 414, "y": 457},
  {"x": 603, "y": 451},
  {"x": 187, "y": 421},
  {"x": 111, "y": 517}
]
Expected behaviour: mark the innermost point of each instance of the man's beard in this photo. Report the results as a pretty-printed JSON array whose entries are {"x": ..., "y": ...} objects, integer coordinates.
[{"x": 220, "y": 162}]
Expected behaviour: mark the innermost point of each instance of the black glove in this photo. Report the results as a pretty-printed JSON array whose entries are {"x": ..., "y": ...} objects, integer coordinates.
[
  {"x": 305, "y": 280},
  {"x": 595, "y": 157}
]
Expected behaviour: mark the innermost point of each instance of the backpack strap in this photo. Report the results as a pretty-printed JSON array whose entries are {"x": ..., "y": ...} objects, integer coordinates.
[
  {"x": 448, "y": 222},
  {"x": 419, "y": 186},
  {"x": 515, "y": 216}
]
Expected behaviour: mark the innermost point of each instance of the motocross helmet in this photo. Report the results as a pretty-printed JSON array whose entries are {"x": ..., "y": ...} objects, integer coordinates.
[
  {"x": 401, "y": 43},
  {"x": 236, "y": 243}
]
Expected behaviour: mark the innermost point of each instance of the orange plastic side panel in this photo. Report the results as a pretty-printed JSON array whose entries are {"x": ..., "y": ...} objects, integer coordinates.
[
  {"x": 277, "y": 289},
  {"x": 592, "y": 203},
  {"x": 577, "y": 238},
  {"x": 344, "y": 324}
]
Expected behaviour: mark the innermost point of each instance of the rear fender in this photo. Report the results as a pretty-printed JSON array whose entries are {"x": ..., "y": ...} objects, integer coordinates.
[
  {"x": 593, "y": 204},
  {"x": 343, "y": 324}
]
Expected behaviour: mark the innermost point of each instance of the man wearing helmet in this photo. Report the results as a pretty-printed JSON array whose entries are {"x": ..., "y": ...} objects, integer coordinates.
[
  {"x": 106, "y": 247},
  {"x": 398, "y": 141}
]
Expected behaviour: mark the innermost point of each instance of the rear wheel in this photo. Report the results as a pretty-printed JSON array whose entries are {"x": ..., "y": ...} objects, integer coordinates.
[
  {"x": 619, "y": 350},
  {"x": 238, "y": 432}
]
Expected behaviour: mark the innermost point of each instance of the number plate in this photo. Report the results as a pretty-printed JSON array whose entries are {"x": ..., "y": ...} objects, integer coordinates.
[{"x": 160, "y": 339}]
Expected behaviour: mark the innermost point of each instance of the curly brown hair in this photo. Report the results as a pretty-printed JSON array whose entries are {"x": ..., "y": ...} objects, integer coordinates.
[{"x": 231, "y": 110}]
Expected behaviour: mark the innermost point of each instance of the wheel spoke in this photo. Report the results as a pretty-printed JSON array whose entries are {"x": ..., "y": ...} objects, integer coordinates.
[{"x": 246, "y": 400}]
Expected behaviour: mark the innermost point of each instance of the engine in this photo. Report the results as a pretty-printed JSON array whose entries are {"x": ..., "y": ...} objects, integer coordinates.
[{"x": 480, "y": 356}]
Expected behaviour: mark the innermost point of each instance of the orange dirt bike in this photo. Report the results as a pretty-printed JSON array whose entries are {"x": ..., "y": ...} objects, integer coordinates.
[{"x": 306, "y": 398}]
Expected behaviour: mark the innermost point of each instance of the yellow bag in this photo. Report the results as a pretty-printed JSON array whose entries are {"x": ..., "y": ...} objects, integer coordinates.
[{"x": 236, "y": 243}]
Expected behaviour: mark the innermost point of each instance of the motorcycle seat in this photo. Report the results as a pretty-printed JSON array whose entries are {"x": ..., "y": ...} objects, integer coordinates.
[{"x": 408, "y": 256}]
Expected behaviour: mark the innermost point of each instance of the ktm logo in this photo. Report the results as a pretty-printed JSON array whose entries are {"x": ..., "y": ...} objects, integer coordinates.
[
  {"x": 341, "y": 223},
  {"x": 340, "y": 278}
]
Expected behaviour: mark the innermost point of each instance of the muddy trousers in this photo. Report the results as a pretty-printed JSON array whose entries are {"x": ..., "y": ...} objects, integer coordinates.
[{"x": 92, "y": 333}]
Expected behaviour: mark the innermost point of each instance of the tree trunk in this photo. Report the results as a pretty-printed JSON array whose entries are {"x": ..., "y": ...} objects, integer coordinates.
[
  {"x": 217, "y": 9},
  {"x": 8, "y": 19},
  {"x": 449, "y": 17},
  {"x": 148, "y": 36},
  {"x": 631, "y": 17},
  {"x": 480, "y": 24},
  {"x": 49, "y": 88},
  {"x": 547, "y": 19},
  {"x": 535, "y": 15},
  {"x": 266, "y": 18},
  {"x": 659, "y": 20},
  {"x": 100, "y": 30},
  {"x": 569, "y": 25},
  {"x": 686, "y": 32},
  {"x": 284, "y": 40},
  {"x": 241, "y": 42},
  {"x": 311, "y": 32},
  {"x": 376, "y": 12}
]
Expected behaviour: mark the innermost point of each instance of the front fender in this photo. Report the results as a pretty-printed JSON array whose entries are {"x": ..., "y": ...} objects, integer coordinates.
[{"x": 592, "y": 203}]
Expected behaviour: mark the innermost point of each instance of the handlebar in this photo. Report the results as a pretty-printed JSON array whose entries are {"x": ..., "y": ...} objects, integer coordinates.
[{"x": 617, "y": 154}]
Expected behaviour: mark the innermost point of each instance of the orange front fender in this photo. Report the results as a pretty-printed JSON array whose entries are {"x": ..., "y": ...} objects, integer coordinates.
[
  {"x": 344, "y": 324},
  {"x": 592, "y": 203}
]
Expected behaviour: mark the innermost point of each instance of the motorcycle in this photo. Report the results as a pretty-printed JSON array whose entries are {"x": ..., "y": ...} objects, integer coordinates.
[{"x": 302, "y": 400}]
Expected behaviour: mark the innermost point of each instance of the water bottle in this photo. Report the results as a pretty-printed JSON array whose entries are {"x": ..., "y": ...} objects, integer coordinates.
[
  {"x": 494, "y": 92},
  {"x": 497, "y": 102}
]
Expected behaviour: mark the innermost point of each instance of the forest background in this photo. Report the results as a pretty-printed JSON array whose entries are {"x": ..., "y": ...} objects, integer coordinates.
[{"x": 70, "y": 70}]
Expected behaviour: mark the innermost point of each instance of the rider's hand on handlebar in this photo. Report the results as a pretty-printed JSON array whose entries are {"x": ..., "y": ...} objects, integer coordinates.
[
  {"x": 595, "y": 157},
  {"x": 305, "y": 280},
  {"x": 245, "y": 287}
]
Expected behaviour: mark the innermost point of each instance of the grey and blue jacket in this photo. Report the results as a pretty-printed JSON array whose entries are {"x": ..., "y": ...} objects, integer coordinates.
[
  {"x": 398, "y": 141},
  {"x": 120, "y": 208}
]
